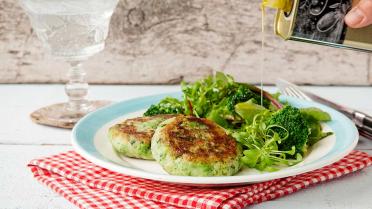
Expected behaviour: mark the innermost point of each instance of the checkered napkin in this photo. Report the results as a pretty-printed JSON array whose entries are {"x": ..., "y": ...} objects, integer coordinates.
[{"x": 89, "y": 186}]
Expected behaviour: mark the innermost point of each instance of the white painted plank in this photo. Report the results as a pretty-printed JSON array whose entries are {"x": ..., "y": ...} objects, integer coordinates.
[
  {"x": 18, "y": 101},
  {"x": 349, "y": 192},
  {"x": 355, "y": 97},
  {"x": 20, "y": 190},
  {"x": 34, "y": 96}
]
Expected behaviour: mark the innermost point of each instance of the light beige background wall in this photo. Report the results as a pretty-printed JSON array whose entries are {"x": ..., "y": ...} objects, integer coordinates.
[{"x": 165, "y": 41}]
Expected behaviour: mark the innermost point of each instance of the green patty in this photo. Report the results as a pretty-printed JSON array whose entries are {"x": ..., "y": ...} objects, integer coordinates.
[
  {"x": 132, "y": 137},
  {"x": 188, "y": 146},
  {"x": 130, "y": 146}
]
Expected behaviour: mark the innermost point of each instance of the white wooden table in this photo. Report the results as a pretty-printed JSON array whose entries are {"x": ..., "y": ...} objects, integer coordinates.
[{"x": 21, "y": 140}]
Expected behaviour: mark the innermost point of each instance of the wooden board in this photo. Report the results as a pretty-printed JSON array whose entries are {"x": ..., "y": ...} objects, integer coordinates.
[{"x": 166, "y": 41}]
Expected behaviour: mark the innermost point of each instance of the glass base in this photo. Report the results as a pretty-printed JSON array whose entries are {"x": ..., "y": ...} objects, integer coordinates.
[{"x": 57, "y": 115}]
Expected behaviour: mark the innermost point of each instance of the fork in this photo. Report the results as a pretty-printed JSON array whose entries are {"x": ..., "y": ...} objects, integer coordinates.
[{"x": 294, "y": 91}]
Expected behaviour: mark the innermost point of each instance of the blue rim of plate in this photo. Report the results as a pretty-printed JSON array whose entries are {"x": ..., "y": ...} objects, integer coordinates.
[{"x": 84, "y": 131}]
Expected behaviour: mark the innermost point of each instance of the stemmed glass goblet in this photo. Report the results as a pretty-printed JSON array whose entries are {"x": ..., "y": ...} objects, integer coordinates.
[{"x": 71, "y": 30}]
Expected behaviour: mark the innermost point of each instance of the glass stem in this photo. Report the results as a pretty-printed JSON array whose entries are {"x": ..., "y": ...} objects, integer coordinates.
[{"x": 77, "y": 89}]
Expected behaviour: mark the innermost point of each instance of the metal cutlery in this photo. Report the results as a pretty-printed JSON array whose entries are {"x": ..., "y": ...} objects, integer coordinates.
[{"x": 362, "y": 121}]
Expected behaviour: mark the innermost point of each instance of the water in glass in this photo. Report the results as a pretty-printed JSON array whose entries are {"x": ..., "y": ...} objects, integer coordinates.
[{"x": 72, "y": 30}]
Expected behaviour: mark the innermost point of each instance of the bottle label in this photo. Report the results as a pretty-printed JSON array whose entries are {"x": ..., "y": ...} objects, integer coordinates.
[{"x": 322, "y": 20}]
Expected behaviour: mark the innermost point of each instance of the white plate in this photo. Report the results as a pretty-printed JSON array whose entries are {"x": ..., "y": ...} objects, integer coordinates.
[{"x": 89, "y": 138}]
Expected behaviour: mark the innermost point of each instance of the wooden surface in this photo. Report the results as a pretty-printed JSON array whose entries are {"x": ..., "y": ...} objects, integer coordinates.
[
  {"x": 165, "y": 41},
  {"x": 21, "y": 140}
]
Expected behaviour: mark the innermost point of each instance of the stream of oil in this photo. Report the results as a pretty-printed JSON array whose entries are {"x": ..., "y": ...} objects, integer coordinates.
[
  {"x": 262, "y": 59},
  {"x": 284, "y": 5}
]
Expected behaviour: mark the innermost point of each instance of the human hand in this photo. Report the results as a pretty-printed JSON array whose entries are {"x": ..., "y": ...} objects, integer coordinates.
[{"x": 361, "y": 15}]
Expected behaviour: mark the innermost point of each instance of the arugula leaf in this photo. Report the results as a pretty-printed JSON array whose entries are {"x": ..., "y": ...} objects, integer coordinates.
[
  {"x": 248, "y": 110},
  {"x": 314, "y": 116},
  {"x": 315, "y": 113}
]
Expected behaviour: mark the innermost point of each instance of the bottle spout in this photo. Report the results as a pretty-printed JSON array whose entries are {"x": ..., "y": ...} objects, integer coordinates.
[{"x": 284, "y": 5}]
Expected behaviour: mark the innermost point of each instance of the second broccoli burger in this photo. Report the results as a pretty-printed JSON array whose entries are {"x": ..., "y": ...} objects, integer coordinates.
[{"x": 190, "y": 146}]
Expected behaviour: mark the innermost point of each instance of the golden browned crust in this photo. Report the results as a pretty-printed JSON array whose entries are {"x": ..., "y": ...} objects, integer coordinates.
[
  {"x": 198, "y": 139},
  {"x": 131, "y": 127}
]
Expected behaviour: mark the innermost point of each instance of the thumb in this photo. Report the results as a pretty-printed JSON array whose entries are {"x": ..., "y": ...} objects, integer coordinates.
[{"x": 361, "y": 15}]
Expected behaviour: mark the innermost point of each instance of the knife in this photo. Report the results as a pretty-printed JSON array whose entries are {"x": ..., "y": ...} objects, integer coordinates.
[{"x": 362, "y": 121}]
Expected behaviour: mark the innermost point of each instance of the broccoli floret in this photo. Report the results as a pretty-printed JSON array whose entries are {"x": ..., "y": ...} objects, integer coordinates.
[
  {"x": 291, "y": 119},
  {"x": 166, "y": 106},
  {"x": 243, "y": 94}
]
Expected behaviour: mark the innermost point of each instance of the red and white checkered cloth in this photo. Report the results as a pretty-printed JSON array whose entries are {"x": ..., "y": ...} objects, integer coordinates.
[{"x": 89, "y": 186}]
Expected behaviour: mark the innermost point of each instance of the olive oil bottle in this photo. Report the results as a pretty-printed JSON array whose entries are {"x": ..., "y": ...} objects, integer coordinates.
[{"x": 319, "y": 22}]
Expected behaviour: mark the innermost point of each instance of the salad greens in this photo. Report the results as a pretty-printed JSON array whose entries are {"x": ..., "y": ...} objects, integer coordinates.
[
  {"x": 218, "y": 95},
  {"x": 262, "y": 143},
  {"x": 272, "y": 134},
  {"x": 248, "y": 110},
  {"x": 313, "y": 117}
]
